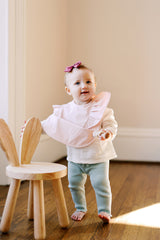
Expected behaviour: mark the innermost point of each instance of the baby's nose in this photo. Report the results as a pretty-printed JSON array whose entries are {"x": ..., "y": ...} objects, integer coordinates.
[{"x": 83, "y": 85}]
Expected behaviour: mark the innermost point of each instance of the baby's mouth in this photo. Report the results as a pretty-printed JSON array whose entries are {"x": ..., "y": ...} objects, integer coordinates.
[{"x": 84, "y": 92}]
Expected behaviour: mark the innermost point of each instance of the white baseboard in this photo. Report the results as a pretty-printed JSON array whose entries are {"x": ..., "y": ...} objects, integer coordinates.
[
  {"x": 138, "y": 144},
  {"x": 4, "y": 180},
  {"x": 49, "y": 150},
  {"x": 131, "y": 144}
]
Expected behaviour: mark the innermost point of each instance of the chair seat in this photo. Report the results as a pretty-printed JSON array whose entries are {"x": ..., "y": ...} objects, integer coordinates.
[{"x": 37, "y": 171}]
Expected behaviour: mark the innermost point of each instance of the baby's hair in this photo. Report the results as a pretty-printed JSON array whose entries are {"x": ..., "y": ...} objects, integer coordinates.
[{"x": 81, "y": 66}]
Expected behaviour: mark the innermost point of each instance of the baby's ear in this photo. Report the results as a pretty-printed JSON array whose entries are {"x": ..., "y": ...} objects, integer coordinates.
[{"x": 68, "y": 91}]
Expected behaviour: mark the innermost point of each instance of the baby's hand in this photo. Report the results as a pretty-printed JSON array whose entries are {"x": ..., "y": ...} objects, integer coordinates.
[
  {"x": 22, "y": 129},
  {"x": 102, "y": 134}
]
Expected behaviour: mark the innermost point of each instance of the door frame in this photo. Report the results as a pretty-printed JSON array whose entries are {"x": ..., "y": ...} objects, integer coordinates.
[
  {"x": 16, "y": 74},
  {"x": 16, "y": 66}
]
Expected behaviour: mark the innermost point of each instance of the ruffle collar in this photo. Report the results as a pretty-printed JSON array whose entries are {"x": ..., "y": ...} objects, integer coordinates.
[{"x": 86, "y": 115}]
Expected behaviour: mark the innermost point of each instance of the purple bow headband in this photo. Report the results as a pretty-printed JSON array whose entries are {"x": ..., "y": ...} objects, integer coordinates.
[{"x": 69, "y": 69}]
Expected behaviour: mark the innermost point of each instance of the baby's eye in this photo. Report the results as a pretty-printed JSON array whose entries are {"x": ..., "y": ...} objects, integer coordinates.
[
  {"x": 88, "y": 81},
  {"x": 77, "y": 83}
]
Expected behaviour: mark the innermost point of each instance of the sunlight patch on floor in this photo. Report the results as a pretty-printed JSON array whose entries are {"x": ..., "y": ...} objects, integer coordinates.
[{"x": 148, "y": 217}]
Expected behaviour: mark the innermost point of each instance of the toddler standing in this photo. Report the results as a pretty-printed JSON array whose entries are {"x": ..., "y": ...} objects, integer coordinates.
[{"x": 87, "y": 126}]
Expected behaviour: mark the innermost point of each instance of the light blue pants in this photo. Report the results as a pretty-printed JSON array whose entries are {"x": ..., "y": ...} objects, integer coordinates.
[{"x": 99, "y": 176}]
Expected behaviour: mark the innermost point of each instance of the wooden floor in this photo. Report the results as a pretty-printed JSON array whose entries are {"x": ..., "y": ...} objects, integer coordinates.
[{"x": 135, "y": 208}]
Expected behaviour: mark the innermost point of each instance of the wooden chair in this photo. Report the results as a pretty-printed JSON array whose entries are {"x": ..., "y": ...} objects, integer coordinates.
[{"x": 35, "y": 172}]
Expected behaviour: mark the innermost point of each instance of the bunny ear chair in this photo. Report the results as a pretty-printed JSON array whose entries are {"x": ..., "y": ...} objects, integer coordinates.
[{"x": 35, "y": 172}]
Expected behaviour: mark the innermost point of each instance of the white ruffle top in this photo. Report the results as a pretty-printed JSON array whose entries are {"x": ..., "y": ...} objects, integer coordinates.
[{"x": 73, "y": 124}]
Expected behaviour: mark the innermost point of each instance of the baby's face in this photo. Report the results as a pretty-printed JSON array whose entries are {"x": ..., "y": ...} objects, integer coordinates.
[{"x": 81, "y": 85}]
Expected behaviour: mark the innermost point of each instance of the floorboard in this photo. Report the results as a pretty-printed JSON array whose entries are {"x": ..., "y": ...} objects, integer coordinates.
[{"x": 135, "y": 208}]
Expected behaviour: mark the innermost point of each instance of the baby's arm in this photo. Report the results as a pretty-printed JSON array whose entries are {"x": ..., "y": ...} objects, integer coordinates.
[
  {"x": 24, "y": 126},
  {"x": 108, "y": 126}
]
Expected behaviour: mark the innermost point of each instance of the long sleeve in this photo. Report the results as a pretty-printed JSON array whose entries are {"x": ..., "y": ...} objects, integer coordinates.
[{"x": 109, "y": 123}]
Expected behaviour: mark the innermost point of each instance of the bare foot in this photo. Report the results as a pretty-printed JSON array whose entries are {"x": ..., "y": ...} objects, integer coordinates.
[
  {"x": 104, "y": 216},
  {"x": 77, "y": 216}
]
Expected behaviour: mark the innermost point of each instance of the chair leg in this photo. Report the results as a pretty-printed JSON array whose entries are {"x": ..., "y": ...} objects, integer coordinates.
[
  {"x": 30, "y": 213},
  {"x": 39, "y": 211},
  {"x": 9, "y": 207},
  {"x": 61, "y": 203}
]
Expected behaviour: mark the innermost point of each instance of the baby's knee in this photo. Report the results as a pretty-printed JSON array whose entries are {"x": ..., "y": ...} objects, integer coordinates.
[
  {"x": 101, "y": 183},
  {"x": 75, "y": 181}
]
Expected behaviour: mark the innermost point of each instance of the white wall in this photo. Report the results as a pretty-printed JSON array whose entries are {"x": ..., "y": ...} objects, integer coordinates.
[
  {"x": 4, "y": 59},
  {"x": 45, "y": 59},
  {"x": 119, "y": 40},
  {"x": 3, "y": 77},
  {"x": 37, "y": 57}
]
